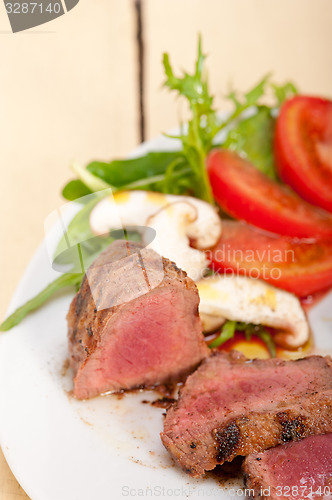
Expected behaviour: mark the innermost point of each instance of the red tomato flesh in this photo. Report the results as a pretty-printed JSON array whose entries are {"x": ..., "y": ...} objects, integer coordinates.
[
  {"x": 299, "y": 267},
  {"x": 303, "y": 148},
  {"x": 247, "y": 194}
]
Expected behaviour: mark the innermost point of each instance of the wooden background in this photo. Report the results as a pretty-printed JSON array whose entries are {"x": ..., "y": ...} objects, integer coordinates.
[{"x": 71, "y": 90}]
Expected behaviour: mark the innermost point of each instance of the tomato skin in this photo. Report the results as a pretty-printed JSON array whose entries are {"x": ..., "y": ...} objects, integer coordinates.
[
  {"x": 247, "y": 194},
  {"x": 303, "y": 148},
  {"x": 297, "y": 266}
]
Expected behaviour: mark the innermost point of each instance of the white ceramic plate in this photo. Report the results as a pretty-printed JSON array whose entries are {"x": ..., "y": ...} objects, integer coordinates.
[{"x": 106, "y": 448}]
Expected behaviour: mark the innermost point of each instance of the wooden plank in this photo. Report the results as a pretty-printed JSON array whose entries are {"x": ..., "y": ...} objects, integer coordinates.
[
  {"x": 9, "y": 487},
  {"x": 65, "y": 95},
  {"x": 68, "y": 92},
  {"x": 244, "y": 40}
]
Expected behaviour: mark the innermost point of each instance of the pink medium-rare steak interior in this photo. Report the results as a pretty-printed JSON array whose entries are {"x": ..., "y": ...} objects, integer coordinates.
[
  {"x": 152, "y": 338},
  {"x": 147, "y": 342},
  {"x": 233, "y": 406},
  {"x": 293, "y": 471}
]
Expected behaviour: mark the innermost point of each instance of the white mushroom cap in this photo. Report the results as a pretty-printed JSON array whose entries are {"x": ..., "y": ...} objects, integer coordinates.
[
  {"x": 133, "y": 208},
  {"x": 248, "y": 300},
  {"x": 171, "y": 224}
]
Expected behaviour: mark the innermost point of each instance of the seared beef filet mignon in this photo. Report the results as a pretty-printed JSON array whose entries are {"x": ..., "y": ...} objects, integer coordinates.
[
  {"x": 294, "y": 471},
  {"x": 233, "y": 406},
  {"x": 133, "y": 323}
]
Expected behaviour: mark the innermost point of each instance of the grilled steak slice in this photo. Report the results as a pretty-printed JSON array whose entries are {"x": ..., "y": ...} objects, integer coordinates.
[
  {"x": 233, "y": 406},
  {"x": 133, "y": 323},
  {"x": 293, "y": 471}
]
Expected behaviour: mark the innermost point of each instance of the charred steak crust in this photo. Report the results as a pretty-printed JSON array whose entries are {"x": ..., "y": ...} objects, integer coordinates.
[
  {"x": 228, "y": 440},
  {"x": 233, "y": 406},
  {"x": 91, "y": 323}
]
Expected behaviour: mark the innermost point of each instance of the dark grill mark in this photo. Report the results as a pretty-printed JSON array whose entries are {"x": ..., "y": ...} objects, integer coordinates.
[
  {"x": 292, "y": 429},
  {"x": 228, "y": 440}
]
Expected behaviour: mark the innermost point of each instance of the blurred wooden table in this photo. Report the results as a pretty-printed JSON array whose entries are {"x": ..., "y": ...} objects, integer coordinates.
[
  {"x": 9, "y": 487},
  {"x": 70, "y": 92}
]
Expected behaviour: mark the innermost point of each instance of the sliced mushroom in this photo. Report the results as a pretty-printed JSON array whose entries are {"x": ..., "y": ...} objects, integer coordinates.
[
  {"x": 171, "y": 224},
  {"x": 248, "y": 300},
  {"x": 133, "y": 208},
  {"x": 211, "y": 322}
]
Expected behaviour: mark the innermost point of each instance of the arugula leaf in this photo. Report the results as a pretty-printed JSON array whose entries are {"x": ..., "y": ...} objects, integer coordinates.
[
  {"x": 230, "y": 327},
  {"x": 194, "y": 87},
  {"x": 227, "y": 333},
  {"x": 266, "y": 337},
  {"x": 119, "y": 173},
  {"x": 64, "y": 281},
  {"x": 251, "y": 98},
  {"x": 75, "y": 189},
  {"x": 283, "y": 92},
  {"x": 79, "y": 228},
  {"x": 78, "y": 257},
  {"x": 260, "y": 331},
  {"x": 197, "y": 141},
  {"x": 178, "y": 179},
  {"x": 93, "y": 182},
  {"x": 252, "y": 138},
  {"x": 145, "y": 172}
]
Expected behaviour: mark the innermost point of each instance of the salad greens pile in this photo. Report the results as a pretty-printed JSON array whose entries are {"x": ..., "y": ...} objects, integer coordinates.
[{"x": 248, "y": 130}]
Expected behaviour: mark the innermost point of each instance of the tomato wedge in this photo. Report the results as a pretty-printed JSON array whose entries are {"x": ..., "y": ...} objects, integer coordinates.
[
  {"x": 303, "y": 148},
  {"x": 299, "y": 267},
  {"x": 247, "y": 194}
]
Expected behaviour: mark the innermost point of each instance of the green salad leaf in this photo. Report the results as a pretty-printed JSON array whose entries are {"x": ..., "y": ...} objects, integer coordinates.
[
  {"x": 242, "y": 102},
  {"x": 75, "y": 189},
  {"x": 155, "y": 171},
  {"x": 227, "y": 332},
  {"x": 230, "y": 327},
  {"x": 123, "y": 173},
  {"x": 284, "y": 92},
  {"x": 79, "y": 230},
  {"x": 252, "y": 138},
  {"x": 79, "y": 246},
  {"x": 198, "y": 135},
  {"x": 64, "y": 281}
]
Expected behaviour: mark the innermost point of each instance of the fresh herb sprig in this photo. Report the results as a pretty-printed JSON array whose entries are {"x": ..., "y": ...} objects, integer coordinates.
[
  {"x": 197, "y": 137},
  {"x": 183, "y": 171}
]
